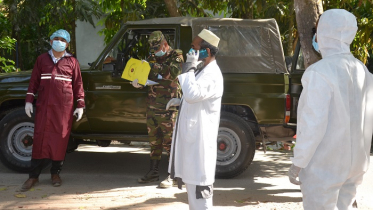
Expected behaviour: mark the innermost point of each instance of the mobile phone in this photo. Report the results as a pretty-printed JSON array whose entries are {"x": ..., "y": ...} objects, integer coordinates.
[{"x": 202, "y": 53}]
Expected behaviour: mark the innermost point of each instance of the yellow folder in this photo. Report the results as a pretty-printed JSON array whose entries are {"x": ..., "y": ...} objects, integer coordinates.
[{"x": 136, "y": 69}]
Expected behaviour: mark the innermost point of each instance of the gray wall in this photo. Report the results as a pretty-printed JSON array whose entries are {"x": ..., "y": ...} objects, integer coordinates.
[{"x": 89, "y": 43}]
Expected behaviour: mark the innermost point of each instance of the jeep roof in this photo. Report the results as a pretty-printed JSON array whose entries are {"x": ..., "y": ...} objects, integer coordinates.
[{"x": 246, "y": 46}]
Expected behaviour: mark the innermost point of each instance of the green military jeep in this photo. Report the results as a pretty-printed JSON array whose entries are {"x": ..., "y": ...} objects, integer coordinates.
[{"x": 257, "y": 105}]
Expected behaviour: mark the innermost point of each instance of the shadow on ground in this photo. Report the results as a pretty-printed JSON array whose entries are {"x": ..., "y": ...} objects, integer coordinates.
[{"x": 86, "y": 172}]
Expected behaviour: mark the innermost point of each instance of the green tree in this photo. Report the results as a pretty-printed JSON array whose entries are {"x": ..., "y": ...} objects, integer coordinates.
[
  {"x": 64, "y": 13},
  {"x": 32, "y": 22},
  {"x": 121, "y": 11},
  {"x": 7, "y": 65},
  {"x": 362, "y": 46}
]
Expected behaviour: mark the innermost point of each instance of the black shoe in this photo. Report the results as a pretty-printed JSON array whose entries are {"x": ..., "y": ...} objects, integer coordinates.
[{"x": 153, "y": 173}]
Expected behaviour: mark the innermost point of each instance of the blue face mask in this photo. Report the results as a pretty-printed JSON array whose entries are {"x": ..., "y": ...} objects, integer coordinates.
[
  {"x": 160, "y": 53},
  {"x": 202, "y": 53},
  {"x": 315, "y": 44},
  {"x": 58, "y": 45}
]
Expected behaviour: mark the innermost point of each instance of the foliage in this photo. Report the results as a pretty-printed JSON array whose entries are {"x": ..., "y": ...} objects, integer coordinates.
[
  {"x": 7, "y": 44},
  {"x": 362, "y": 46},
  {"x": 121, "y": 11},
  {"x": 63, "y": 13},
  {"x": 203, "y": 8},
  {"x": 32, "y": 22},
  {"x": 5, "y": 26}
]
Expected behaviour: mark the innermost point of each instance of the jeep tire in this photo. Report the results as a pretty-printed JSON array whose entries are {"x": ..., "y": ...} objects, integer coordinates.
[
  {"x": 236, "y": 146},
  {"x": 14, "y": 127}
]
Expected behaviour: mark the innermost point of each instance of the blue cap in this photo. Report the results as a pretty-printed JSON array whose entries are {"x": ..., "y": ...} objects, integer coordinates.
[{"x": 61, "y": 33}]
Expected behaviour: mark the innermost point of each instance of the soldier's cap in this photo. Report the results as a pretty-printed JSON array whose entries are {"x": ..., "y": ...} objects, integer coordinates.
[
  {"x": 61, "y": 33},
  {"x": 209, "y": 37},
  {"x": 155, "y": 40}
]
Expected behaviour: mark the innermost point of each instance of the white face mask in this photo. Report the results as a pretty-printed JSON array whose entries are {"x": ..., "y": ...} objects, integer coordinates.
[
  {"x": 160, "y": 53},
  {"x": 58, "y": 45},
  {"x": 315, "y": 44}
]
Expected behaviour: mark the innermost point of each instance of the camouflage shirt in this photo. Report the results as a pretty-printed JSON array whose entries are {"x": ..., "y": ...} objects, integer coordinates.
[{"x": 165, "y": 71}]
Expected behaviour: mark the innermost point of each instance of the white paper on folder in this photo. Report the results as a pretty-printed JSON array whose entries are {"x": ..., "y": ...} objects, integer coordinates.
[{"x": 150, "y": 82}]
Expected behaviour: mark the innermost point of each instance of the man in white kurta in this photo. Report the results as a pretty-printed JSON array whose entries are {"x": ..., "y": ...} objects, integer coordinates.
[
  {"x": 335, "y": 112},
  {"x": 194, "y": 145}
]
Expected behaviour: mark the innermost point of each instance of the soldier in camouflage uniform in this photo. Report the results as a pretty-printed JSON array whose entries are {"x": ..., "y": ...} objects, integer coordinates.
[{"x": 160, "y": 122}]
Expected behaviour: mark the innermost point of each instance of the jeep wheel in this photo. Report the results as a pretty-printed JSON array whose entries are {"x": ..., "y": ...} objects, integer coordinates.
[
  {"x": 236, "y": 146},
  {"x": 16, "y": 126}
]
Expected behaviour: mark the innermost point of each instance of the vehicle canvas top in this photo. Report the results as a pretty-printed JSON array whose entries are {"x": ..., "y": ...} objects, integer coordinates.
[{"x": 246, "y": 46}]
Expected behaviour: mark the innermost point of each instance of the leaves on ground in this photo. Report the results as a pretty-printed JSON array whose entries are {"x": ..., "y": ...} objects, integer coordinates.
[
  {"x": 20, "y": 195},
  {"x": 3, "y": 189}
]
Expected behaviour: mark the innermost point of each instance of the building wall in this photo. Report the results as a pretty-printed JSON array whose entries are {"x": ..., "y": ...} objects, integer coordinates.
[{"x": 89, "y": 44}]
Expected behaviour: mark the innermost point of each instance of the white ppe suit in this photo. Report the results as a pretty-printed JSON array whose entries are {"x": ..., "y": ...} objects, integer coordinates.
[{"x": 335, "y": 111}]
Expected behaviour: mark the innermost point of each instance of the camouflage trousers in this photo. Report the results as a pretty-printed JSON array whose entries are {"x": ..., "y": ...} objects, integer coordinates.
[{"x": 160, "y": 126}]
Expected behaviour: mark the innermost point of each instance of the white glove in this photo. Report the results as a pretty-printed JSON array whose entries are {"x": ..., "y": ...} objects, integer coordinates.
[
  {"x": 293, "y": 174},
  {"x": 192, "y": 57},
  {"x": 79, "y": 113},
  {"x": 29, "y": 109},
  {"x": 191, "y": 62},
  {"x": 173, "y": 102},
  {"x": 135, "y": 83}
]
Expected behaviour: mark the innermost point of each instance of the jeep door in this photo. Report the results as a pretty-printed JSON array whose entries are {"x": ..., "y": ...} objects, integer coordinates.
[
  {"x": 297, "y": 70},
  {"x": 113, "y": 105}
]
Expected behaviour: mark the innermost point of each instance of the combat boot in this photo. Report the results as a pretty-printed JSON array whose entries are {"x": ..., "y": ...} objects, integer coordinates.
[{"x": 153, "y": 173}]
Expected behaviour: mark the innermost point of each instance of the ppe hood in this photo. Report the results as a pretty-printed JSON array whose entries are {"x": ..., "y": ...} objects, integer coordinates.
[{"x": 335, "y": 32}]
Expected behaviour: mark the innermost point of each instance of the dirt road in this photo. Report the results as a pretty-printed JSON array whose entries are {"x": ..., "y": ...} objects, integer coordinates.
[{"x": 105, "y": 178}]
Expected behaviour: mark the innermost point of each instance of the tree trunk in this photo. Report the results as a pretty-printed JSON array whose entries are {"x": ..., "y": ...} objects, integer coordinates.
[
  {"x": 307, "y": 13},
  {"x": 247, "y": 12},
  {"x": 291, "y": 44},
  {"x": 13, "y": 12},
  {"x": 172, "y": 8},
  {"x": 72, "y": 32}
]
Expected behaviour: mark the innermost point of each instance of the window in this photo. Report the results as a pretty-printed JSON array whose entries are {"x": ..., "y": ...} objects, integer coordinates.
[
  {"x": 300, "y": 62},
  {"x": 133, "y": 44},
  {"x": 239, "y": 40}
]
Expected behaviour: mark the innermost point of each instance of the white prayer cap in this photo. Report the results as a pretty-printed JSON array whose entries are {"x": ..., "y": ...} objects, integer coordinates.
[{"x": 209, "y": 37}]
